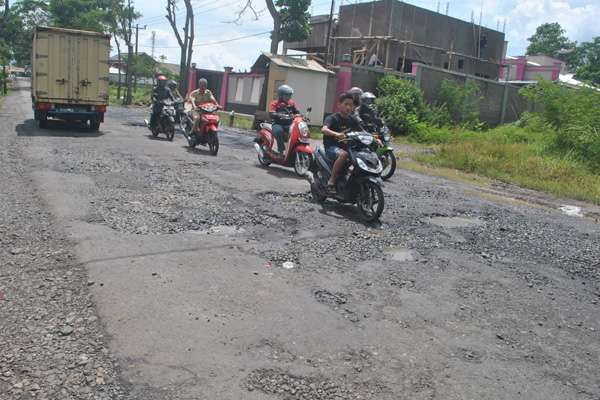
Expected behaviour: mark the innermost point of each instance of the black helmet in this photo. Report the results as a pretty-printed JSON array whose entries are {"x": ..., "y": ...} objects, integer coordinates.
[
  {"x": 365, "y": 96},
  {"x": 284, "y": 89},
  {"x": 172, "y": 84},
  {"x": 356, "y": 92}
]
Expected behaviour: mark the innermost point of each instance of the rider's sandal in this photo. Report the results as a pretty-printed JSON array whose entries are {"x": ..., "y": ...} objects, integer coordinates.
[{"x": 331, "y": 189}]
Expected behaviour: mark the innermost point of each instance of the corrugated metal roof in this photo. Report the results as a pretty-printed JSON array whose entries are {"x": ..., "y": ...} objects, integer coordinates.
[{"x": 294, "y": 62}]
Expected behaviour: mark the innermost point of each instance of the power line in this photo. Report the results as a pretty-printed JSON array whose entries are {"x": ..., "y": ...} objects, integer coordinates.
[{"x": 211, "y": 43}]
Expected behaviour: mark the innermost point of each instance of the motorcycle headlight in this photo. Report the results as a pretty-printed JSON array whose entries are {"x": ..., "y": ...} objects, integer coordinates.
[
  {"x": 366, "y": 139},
  {"x": 386, "y": 134},
  {"x": 303, "y": 128}
]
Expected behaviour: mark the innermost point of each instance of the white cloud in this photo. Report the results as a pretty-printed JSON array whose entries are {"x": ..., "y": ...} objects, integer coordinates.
[{"x": 579, "y": 18}]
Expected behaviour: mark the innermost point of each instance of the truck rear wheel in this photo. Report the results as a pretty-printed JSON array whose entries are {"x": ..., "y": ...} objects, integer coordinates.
[
  {"x": 42, "y": 123},
  {"x": 94, "y": 125}
]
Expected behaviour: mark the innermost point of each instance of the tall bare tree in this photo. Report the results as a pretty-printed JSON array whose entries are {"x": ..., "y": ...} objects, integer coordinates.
[
  {"x": 185, "y": 43},
  {"x": 290, "y": 23}
]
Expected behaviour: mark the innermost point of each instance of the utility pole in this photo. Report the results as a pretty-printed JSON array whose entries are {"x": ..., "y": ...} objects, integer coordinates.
[
  {"x": 137, "y": 32},
  {"x": 326, "y": 58}
]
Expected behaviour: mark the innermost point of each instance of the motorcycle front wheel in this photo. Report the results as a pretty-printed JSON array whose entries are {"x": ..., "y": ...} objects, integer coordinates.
[
  {"x": 263, "y": 160},
  {"x": 388, "y": 160},
  {"x": 302, "y": 162},
  {"x": 370, "y": 201},
  {"x": 169, "y": 129},
  {"x": 213, "y": 142}
]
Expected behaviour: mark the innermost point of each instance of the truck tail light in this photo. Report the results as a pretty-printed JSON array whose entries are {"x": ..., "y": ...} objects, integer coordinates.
[
  {"x": 46, "y": 106},
  {"x": 99, "y": 108}
]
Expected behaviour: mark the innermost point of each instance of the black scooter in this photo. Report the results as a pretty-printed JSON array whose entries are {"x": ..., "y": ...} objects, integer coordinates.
[{"x": 359, "y": 180}]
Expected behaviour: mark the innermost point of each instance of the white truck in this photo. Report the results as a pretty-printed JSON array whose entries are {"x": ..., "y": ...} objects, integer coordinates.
[{"x": 69, "y": 75}]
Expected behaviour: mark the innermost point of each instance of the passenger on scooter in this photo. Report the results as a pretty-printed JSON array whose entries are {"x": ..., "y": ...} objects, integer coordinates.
[
  {"x": 160, "y": 92},
  {"x": 284, "y": 105},
  {"x": 333, "y": 130},
  {"x": 173, "y": 89},
  {"x": 198, "y": 97},
  {"x": 366, "y": 114},
  {"x": 356, "y": 92}
]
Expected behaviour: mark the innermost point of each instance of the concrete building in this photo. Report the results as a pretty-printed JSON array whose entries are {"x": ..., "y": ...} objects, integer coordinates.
[
  {"x": 307, "y": 77},
  {"x": 528, "y": 69},
  {"x": 394, "y": 35}
]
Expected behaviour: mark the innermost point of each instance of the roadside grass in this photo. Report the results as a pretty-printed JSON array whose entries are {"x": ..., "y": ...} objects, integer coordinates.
[
  {"x": 142, "y": 94},
  {"x": 510, "y": 153}
]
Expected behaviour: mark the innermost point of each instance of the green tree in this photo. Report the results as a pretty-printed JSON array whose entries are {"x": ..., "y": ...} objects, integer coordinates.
[
  {"x": 290, "y": 23},
  {"x": 549, "y": 40},
  {"x": 18, "y": 28},
  {"x": 589, "y": 71},
  {"x": 400, "y": 103},
  {"x": 461, "y": 100},
  {"x": 88, "y": 15},
  {"x": 5, "y": 56},
  {"x": 571, "y": 116},
  {"x": 5, "y": 13}
]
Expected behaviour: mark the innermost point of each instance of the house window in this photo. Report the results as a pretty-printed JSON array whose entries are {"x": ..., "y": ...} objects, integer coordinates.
[
  {"x": 254, "y": 98},
  {"x": 461, "y": 64},
  {"x": 445, "y": 65},
  {"x": 239, "y": 90}
]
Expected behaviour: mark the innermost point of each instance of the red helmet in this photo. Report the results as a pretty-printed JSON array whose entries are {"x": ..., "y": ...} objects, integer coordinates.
[{"x": 161, "y": 78}]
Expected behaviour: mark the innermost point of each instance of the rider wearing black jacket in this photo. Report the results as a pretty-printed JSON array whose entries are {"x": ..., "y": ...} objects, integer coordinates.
[{"x": 159, "y": 92}]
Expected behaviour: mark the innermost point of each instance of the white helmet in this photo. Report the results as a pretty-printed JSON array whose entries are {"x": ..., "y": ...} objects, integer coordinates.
[{"x": 365, "y": 96}]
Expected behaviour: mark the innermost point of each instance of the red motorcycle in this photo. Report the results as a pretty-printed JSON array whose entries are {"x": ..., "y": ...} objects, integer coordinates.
[
  {"x": 207, "y": 132},
  {"x": 297, "y": 143}
]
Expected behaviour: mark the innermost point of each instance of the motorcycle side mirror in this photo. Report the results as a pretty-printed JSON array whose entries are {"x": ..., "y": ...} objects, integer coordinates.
[{"x": 309, "y": 109}]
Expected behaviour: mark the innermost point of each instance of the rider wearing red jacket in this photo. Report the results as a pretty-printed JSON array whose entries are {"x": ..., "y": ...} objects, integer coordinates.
[{"x": 284, "y": 105}]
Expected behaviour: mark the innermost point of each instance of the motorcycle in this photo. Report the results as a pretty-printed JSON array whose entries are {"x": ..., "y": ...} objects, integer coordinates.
[
  {"x": 297, "y": 140},
  {"x": 165, "y": 123},
  {"x": 384, "y": 151},
  {"x": 180, "y": 114},
  {"x": 207, "y": 131},
  {"x": 358, "y": 182}
]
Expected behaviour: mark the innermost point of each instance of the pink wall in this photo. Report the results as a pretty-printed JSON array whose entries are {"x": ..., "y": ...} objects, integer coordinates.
[{"x": 343, "y": 83}]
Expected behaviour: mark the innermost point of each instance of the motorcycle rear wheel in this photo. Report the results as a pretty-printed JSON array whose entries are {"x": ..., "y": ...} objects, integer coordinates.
[
  {"x": 213, "y": 142},
  {"x": 302, "y": 162},
  {"x": 314, "y": 189},
  {"x": 370, "y": 201},
  {"x": 170, "y": 129},
  {"x": 388, "y": 160}
]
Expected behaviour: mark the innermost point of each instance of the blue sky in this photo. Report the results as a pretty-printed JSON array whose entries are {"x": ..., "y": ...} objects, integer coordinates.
[{"x": 219, "y": 42}]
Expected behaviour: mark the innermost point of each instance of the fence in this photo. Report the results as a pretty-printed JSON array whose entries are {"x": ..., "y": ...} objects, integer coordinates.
[{"x": 501, "y": 102}]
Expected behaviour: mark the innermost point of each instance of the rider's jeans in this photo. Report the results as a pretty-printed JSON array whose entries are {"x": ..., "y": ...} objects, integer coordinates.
[{"x": 278, "y": 132}]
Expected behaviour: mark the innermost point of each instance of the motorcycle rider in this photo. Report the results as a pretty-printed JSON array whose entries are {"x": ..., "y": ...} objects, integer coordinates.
[
  {"x": 283, "y": 105},
  {"x": 332, "y": 130},
  {"x": 366, "y": 112},
  {"x": 160, "y": 92},
  {"x": 198, "y": 97},
  {"x": 356, "y": 92},
  {"x": 173, "y": 89}
]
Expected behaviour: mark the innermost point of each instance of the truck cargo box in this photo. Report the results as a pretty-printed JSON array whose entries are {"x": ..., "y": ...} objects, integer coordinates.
[{"x": 70, "y": 75}]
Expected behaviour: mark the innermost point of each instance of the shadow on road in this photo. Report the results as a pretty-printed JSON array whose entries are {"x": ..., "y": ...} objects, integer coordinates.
[{"x": 57, "y": 128}]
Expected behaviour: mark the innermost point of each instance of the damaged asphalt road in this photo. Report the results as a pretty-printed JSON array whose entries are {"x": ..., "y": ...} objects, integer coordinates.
[{"x": 138, "y": 268}]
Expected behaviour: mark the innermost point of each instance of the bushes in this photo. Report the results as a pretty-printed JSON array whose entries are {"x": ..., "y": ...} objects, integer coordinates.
[
  {"x": 401, "y": 104},
  {"x": 571, "y": 117}
]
